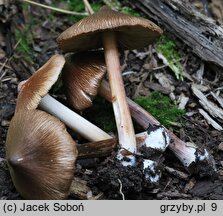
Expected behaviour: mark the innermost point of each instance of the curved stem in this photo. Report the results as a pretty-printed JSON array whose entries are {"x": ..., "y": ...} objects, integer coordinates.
[{"x": 73, "y": 120}]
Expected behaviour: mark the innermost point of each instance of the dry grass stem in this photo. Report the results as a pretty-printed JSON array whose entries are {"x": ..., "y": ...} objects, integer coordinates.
[{"x": 55, "y": 9}]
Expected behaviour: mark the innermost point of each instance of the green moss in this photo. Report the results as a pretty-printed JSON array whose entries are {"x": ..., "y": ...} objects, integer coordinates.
[
  {"x": 116, "y": 5},
  {"x": 101, "y": 114},
  {"x": 24, "y": 47},
  {"x": 130, "y": 11},
  {"x": 96, "y": 5},
  {"x": 25, "y": 6},
  {"x": 78, "y": 6},
  {"x": 161, "y": 108},
  {"x": 24, "y": 36},
  {"x": 167, "y": 48}
]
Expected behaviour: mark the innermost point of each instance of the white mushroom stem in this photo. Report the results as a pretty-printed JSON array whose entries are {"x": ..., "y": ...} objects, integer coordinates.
[
  {"x": 73, "y": 120},
  {"x": 123, "y": 119}
]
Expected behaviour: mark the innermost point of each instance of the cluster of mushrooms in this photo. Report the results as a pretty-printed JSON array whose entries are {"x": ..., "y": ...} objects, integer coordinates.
[{"x": 40, "y": 152}]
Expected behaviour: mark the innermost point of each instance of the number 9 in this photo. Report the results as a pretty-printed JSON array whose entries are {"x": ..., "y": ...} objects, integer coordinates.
[{"x": 214, "y": 206}]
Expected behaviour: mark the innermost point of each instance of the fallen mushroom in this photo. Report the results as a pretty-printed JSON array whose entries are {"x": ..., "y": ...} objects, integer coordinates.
[
  {"x": 110, "y": 29},
  {"x": 40, "y": 153}
]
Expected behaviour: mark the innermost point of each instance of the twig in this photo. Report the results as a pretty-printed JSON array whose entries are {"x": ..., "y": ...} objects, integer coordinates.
[
  {"x": 120, "y": 189},
  {"x": 55, "y": 9},
  {"x": 88, "y": 6},
  {"x": 4, "y": 64},
  {"x": 128, "y": 73}
]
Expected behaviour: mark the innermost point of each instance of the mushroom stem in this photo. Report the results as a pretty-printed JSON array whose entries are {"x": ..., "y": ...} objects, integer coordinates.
[
  {"x": 72, "y": 119},
  {"x": 123, "y": 119},
  {"x": 183, "y": 152}
]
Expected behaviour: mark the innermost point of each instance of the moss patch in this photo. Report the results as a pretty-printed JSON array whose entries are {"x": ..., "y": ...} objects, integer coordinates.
[
  {"x": 161, "y": 108},
  {"x": 78, "y": 6},
  {"x": 121, "y": 6},
  {"x": 167, "y": 48},
  {"x": 24, "y": 37}
]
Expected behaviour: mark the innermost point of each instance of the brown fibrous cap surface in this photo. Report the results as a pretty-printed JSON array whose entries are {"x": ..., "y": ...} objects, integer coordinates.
[
  {"x": 131, "y": 32},
  {"x": 39, "y": 83},
  {"x": 41, "y": 155},
  {"x": 82, "y": 75}
]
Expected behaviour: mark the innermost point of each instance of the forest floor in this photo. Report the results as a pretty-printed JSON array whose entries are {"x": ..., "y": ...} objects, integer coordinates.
[{"x": 28, "y": 39}]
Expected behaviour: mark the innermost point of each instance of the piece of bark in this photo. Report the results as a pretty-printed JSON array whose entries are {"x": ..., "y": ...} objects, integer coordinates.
[
  {"x": 196, "y": 30},
  {"x": 183, "y": 101},
  {"x": 157, "y": 87},
  {"x": 209, "y": 106},
  {"x": 165, "y": 81},
  {"x": 173, "y": 195},
  {"x": 200, "y": 73},
  {"x": 176, "y": 173},
  {"x": 80, "y": 190},
  {"x": 210, "y": 120},
  {"x": 218, "y": 99}
]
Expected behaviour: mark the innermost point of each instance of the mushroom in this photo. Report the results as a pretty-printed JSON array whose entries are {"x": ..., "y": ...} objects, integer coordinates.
[
  {"x": 112, "y": 30},
  {"x": 81, "y": 84},
  {"x": 40, "y": 153}
]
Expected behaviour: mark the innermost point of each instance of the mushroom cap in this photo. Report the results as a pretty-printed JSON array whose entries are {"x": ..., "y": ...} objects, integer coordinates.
[
  {"x": 38, "y": 85},
  {"x": 131, "y": 32},
  {"x": 82, "y": 75},
  {"x": 41, "y": 155}
]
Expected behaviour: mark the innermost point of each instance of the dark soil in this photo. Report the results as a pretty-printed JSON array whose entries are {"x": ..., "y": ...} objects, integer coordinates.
[{"x": 106, "y": 174}]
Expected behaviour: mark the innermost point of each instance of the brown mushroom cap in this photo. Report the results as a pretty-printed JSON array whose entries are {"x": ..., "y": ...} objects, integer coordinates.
[
  {"x": 131, "y": 32},
  {"x": 39, "y": 83},
  {"x": 82, "y": 75},
  {"x": 41, "y": 155}
]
